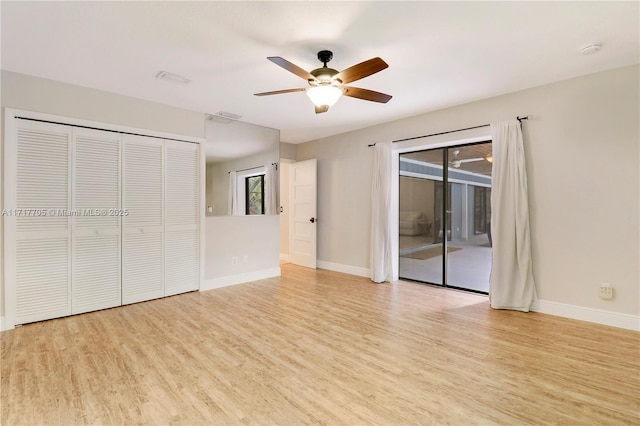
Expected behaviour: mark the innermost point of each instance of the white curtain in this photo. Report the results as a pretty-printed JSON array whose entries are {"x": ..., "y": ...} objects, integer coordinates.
[
  {"x": 270, "y": 193},
  {"x": 233, "y": 207},
  {"x": 512, "y": 284},
  {"x": 380, "y": 255}
]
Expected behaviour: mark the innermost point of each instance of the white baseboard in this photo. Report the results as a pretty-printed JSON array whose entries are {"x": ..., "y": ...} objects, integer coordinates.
[
  {"x": 346, "y": 269},
  {"x": 599, "y": 316},
  {"x": 240, "y": 278},
  {"x": 284, "y": 257},
  {"x": 6, "y": 325}
]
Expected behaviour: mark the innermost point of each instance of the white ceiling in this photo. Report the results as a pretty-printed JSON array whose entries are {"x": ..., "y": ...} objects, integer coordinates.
[{"x": 439, "y": 53}]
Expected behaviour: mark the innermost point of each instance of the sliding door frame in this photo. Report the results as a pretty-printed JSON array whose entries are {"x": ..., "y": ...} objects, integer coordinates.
[{"x": 446, "y": 213}]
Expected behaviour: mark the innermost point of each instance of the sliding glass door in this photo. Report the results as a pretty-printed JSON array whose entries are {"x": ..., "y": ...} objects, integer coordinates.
[{"x": 445, "y": 214}]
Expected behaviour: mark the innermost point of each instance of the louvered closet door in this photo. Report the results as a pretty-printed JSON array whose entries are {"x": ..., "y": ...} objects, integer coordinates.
[
  {"x": 182, "y": 218},
  {"x": 95, "y": 275},
  {"x": 42, "y": 230},
  {"x": 142, "y": 242}
]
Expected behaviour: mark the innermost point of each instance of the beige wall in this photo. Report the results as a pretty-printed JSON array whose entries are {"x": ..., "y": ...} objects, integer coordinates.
[
  {"x": 287, "y": 156},
  {"x": 285, "y": 166},
  {"x": 253, "y": 240},
  {"x": 52, "y": 97},
  {"x": 582, "y": 150},
  {"x": 288, "y": 151}
]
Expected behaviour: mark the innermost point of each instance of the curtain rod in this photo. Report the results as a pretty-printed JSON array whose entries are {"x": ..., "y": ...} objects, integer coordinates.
[
  {"x": 257, "y": 167},
  {"x": 450, "y": 131}
]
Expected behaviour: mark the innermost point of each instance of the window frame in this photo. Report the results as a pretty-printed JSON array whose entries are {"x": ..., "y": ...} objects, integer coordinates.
[{"x": 247, "y": 192}]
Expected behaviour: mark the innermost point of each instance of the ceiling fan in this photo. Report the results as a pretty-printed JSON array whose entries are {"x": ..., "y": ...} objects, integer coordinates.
[
  {"x": 456, "y": 162},
  {"x": 327, "y": 84}
]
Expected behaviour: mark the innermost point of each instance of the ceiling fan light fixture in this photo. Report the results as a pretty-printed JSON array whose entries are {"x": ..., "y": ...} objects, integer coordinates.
[
  {"x": 324, "y": 95},
  {"x": 327, "y": 83}
]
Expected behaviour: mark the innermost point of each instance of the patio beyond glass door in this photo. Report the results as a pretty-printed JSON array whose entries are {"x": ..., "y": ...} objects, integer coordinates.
[
  {"x": 439, "y": 211},
  {"x": 445, "y": 215}
]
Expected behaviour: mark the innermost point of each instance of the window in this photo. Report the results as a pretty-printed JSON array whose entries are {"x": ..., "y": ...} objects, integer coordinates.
[
  {"x": 254, "y": 194},
  {"x": 250, "y": 192}
]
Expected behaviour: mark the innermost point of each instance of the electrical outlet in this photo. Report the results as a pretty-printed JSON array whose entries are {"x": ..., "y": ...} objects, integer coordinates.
[
  {"x": 234, "y": 260},
  {"x": 606, "y": 291}
]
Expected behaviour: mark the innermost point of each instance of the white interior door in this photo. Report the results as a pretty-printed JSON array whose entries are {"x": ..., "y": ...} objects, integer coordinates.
[
  {"x": 182, "y": 218},
  {"x": 303, "y": 201},
  {"x": 38, "y": 233},
  {"x": 95, "y": 277},
  {"x": 142, "y": 242}
]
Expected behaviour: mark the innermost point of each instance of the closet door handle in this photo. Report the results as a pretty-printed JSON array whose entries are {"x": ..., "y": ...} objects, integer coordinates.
[{"x": 312, "y": 220}]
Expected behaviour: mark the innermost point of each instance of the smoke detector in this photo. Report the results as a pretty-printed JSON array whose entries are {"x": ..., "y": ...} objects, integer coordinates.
[{"x": 591, "y": 49}]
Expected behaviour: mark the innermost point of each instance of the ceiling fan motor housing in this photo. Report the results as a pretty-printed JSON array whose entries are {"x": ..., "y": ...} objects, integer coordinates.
[
  {"x": 325, "y": 56},
  {"x": 323, "y": 75}
]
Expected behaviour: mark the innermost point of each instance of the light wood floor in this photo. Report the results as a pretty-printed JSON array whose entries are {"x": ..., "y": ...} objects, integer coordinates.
[{"x": 318, "y": 347}]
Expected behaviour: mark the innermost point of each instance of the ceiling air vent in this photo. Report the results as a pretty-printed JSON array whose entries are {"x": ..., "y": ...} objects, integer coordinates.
[
  {"x": 223, "y": 117},
  {"x": 174, "y": 78}
]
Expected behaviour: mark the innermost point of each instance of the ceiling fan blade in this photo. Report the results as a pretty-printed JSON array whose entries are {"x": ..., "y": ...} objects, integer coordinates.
[
  {"x": 469, "y": 160},
  {"x": 361, "y": 70},
  {"x": 321, "y": 109},
  {"x": 291, "y": 67},
  {"x": 367, "y": 95},
  {"x": 278, "y": 92}
]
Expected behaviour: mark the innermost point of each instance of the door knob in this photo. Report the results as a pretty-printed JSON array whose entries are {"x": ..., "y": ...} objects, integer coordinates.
[{"x": 312, "y": 220}]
